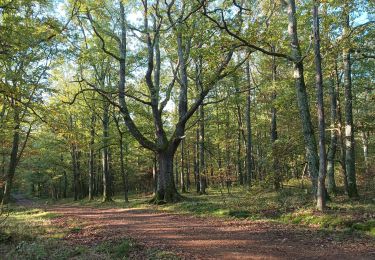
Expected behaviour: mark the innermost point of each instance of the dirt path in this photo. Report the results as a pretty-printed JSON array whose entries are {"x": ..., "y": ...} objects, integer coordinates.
[
  {"x": 206, "y": 238},
  {"x": 21, "y": 200}
]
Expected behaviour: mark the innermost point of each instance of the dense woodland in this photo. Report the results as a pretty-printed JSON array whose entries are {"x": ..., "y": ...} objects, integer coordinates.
[{"x": 100, "y": 98}]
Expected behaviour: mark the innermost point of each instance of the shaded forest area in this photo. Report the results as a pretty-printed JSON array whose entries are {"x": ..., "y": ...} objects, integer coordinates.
[{"x": 227, "y": 107}]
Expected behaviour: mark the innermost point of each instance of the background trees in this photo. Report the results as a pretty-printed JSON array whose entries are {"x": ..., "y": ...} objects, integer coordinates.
[{"x": 233, "y": 81}]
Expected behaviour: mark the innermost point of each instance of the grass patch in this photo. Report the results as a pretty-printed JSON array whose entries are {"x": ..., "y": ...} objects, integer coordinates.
[
  {"x": 162, "y": 255},
  {"x": 291, "y": 205},
  {"x": 117, "y": 202},
  {"x": 117, "y": 249},
  {"x": 24, "y": 224}
]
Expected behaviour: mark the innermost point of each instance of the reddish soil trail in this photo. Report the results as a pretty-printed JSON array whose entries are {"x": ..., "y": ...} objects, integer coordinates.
[{"x": 207, "y": 238}]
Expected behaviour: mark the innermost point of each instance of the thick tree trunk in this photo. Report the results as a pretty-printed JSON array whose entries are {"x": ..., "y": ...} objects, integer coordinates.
[
  {"x": 302, "y": 98},
  {"x": 321, "y": 193},
  {"x": 166, "y": 189},
  {"x": 13, "y": 157}
]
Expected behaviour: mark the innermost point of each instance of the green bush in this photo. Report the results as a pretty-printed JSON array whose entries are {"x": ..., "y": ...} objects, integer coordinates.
[{"x": 33, "y": 250}]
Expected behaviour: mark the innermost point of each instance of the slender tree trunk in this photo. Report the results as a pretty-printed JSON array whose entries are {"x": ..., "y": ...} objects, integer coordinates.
[
  {"x": 321, "y": 194},
  {"x": 65, "y": 179},
  {"x": 75, "y": 171},
  {"x": 365, "y": 137},
  {"x": 239, "y": 159},
  {"x": 91, "y": 158},
  {"x": 333, "y": 143},
  {"x": 79, "y": 175},
  {"x": 188, "y": 168},
  {"x": 349, "y": 128},
  {"x": 340, "y": 131},
  {"x": 124, "y": 173},
  {"x": 182, "y": 178},
  {"x": 196, "y": 161},
  {"x": 111, "y": 175},
  {"x": 107, "y": 194},
  {"x": 274, "y": 134},
  {"x": 302, "y": 98},
  {"x": 227, "y": 148},
  {"x": 365, "y": 132},
  {"x": 249, "y": 165},
  {"x": 176, "y": 171},
  {"x": 240, "y": 134},
  {"x": 13, "y": 156},
  {"x": 74, "y": 155},
  {"x": 155, "y": 173},
  {"x": 202, "y": 163},
  {"x": 3, "y": 161},
  {"x": 65, "y": 176}
]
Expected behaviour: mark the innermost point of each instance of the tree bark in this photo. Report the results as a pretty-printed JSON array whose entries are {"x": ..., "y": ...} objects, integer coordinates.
[
  {"x": 340, "y": 130},
  {"x": 302, "y": 98},
  {"x": 274, "y": 134},
  {"x": 196, "y": 160},
  {"x": 107, "y": 194},
  {"x": 182, "y": 178},
  {"x": 176, "y": 172},
  {"x": 349, "y": 128},
  {"x": 166, "y": 190},
  {"x": 365, "y": 137},
  {"x": 202, "y": 163},
  {"x": 13, "y": 156},
  {"x": 124, "y": 173},
  {"x": 239, "y": 159},
  {"x": 75, "y": 168},
  {"x": 249, "y": 165},
  {"x": 75, "y": 171},
  {"x": 321, "y": 194},
  {"x": 188, "y": 168},
  {"x": 333, "y": 142},
  {"x": 91, "y": 158}
]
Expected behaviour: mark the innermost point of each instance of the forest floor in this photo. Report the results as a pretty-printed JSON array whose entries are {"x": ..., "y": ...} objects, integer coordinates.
[
  {"x": 182, "y": 231},
  {"x": 191, "y": 237}
]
